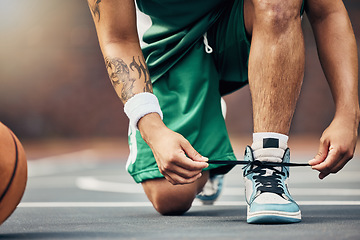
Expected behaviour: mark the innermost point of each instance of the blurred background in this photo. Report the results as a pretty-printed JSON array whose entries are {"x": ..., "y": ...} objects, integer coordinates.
[{"x": 54, "y": 84}]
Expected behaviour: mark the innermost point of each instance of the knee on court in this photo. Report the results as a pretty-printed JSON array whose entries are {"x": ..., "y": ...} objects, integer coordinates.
[
  {"x": 172, "y": 209},
  {"x": 168, "y": 199},
  {"x": 171, "y": 205}
]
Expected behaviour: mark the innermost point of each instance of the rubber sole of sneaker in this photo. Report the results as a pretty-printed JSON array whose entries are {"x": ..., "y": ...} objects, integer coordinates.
[
  {"x": 273, "y": 217},
  {"x": 205, "y": 200}
]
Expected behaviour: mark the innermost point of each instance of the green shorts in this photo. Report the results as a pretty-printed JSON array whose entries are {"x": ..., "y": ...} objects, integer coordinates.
[
  {"x": 189, "y": 82},
  {"x": 190, "y": 91}
]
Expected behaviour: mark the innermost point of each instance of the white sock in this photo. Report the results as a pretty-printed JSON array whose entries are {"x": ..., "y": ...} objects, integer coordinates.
[{"x": 269, "y": 146}]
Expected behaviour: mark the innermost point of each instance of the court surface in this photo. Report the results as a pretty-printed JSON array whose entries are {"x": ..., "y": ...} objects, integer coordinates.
[{"x": 79, "y": 195}]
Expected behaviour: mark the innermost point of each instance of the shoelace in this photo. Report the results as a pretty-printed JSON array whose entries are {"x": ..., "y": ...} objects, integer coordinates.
[
  {"x": 266, "y": 183},
  {"x": 258, "y": 163},
  {"x": 270, "y": 183}
]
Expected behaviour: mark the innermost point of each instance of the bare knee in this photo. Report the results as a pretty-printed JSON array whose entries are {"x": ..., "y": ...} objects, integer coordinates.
[
  {"x": 169, "y": 199},
  {"x": 167, "y": 205},
  {"x": 276, "y": 15}
]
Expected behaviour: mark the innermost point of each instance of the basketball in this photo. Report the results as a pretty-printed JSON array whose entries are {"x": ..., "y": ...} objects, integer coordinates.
[{"x": 13, "y": 172}]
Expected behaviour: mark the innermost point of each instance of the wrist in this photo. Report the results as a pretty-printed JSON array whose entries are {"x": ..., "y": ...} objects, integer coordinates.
[
  {"x": 348, "y": 112},
  {"x": 347, "y": 118},
  {"x": 149, "y": 125},
  {"x": 141, "y": 105}
]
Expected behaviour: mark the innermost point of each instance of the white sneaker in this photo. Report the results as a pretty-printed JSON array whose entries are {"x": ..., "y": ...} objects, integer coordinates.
[
  {"x": 212, "y": 189},
  {"x": 266, "y": 192}
]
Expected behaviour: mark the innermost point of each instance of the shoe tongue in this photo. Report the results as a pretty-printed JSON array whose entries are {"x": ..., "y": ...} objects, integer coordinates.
[
  {"x": 269, "y": 154},
  {"x": 269, "y": 150}
]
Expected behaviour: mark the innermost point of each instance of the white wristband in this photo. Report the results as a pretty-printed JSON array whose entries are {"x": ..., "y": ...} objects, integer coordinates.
[{"x": 140, "y": 105}]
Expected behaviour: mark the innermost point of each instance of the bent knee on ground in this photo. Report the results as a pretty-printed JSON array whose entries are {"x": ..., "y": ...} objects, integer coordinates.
[
  {"x": 170, "y": 199},
  {"x": 170, "y": 206}
]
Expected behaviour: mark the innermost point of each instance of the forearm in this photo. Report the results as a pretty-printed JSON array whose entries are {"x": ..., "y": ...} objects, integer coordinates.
[
  {"x": 338, "y": 55},
  {"x": 126, "y": 68},
  {"x": 115, "y": 22},
  {"x": 129, "y": 75}
]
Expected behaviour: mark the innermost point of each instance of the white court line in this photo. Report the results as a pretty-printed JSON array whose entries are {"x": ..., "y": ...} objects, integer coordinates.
[
  {"x": 93, "y": 184},
  {"x": 83, "y": 204},
  {"x": 68, "y": 162},
  {"x": 148, "y": 204}
]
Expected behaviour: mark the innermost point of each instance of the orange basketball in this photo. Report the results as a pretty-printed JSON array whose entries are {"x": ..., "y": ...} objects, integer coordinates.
[{"x": 13, "y": 172}]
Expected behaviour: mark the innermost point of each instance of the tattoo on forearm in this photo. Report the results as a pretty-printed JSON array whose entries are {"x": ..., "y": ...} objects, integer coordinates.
[
  {"x": 95, "y": 8},
  {"x": 119, "y": 73},
  {"x": 142, "y": 68}
]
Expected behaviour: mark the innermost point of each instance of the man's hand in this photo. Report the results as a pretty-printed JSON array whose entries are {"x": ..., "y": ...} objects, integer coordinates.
[
  {"x": 337, "y": 146},
  {"x": 177, "y": 160}
]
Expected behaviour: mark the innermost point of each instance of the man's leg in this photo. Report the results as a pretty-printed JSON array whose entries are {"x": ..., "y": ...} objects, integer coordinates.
[
  {"x": 276, "y": 61},
  {"x": 276, "y": 67},
  {"x": 170, "y": 199}
]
